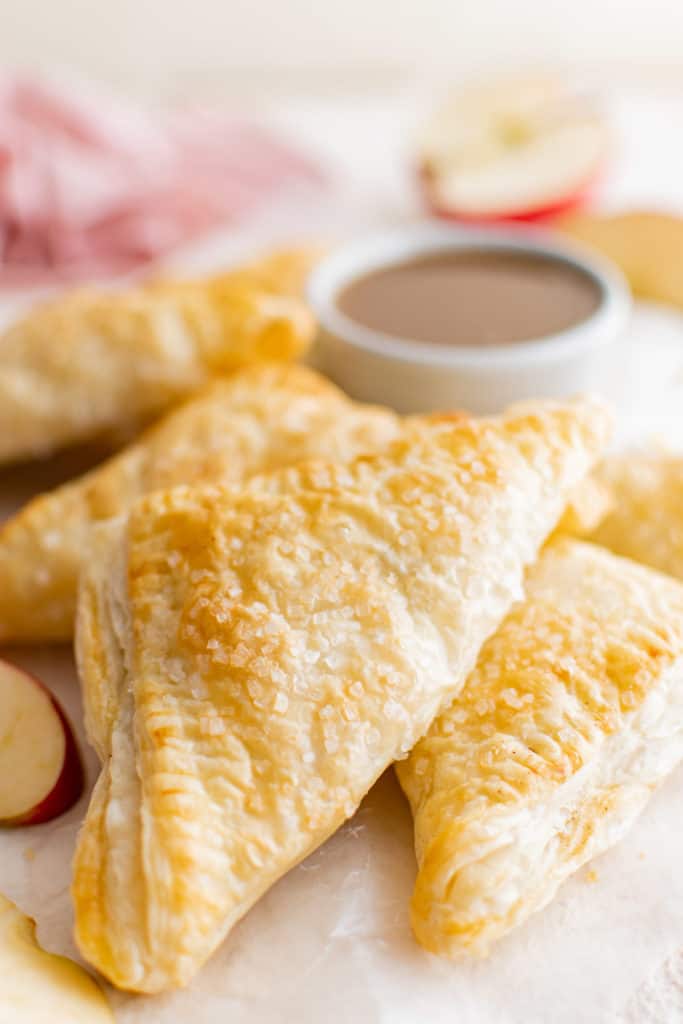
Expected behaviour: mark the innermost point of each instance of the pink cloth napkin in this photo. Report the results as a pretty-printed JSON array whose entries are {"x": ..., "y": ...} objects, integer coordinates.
[{"x": 91, "y": 185}]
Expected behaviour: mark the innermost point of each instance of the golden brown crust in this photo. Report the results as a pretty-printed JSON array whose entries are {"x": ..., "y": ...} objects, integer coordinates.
[
  {"x": 252, "y": 422},
  {"x": 274, "y": 651},
  {"x": 645, "y": 521},
  {"x": 93, "y": 361},
  {"x": 283, "y": 272},
  {"x": 573, "y": 713}
]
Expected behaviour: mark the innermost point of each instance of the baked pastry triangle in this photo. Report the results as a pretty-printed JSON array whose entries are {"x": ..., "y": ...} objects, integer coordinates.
[
  {"x": 645, "y": 521},
  {"x": 572, "y": 716},
  {"x": 92, "y": 361},
  {"x": 256, "y": 420},
  {"x": 271, "y": 653},
  {"x": 361, "y": 425}
]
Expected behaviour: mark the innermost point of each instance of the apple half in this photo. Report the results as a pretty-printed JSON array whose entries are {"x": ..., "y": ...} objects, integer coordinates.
[
  {"x": 518, "y": 148},
  {"x": 41, "y": 774},
  {"x": 40, "y": 987}
]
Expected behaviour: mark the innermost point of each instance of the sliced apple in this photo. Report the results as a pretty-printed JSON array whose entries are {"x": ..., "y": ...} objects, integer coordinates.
[
  {"x": 40, "y": 987},
  {"x": 517, "y": 148},
  {"x": 41, "y": 774}
]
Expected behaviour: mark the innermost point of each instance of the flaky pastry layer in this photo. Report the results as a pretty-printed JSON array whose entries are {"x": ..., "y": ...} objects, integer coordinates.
[
  {"x": 94, "y": 361},
  {"x": 253, "y": 422},
  {"x": 273, "y": 652},
  {"x": 645, "y": 521},
  {"x": 572, "y": 715}
]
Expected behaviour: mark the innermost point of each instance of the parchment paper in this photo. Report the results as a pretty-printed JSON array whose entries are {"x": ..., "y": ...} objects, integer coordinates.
[{"x": 331, "y": 941}]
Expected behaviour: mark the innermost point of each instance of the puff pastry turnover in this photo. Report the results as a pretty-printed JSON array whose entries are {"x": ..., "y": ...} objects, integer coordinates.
[
  {"x": 97, "y": 361},
  {"x": 573, "y": 714},
  {"x": 645, "y": 521},
  {"x": 271, "y": 653},
  {"x": 252, "y": 422}
]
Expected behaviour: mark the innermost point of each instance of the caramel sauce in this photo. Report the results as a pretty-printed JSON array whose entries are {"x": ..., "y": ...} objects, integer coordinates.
[{"x": 472, "y": 297}]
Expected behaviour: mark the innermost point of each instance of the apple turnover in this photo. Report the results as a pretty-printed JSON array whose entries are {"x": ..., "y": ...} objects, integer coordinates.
[
  {"x": 93, "y": 361},
  {"x": 252, "y": 422},
  {"x": 573, "y": 715},
  {"x": 271, "y": 652},
  {"x": 645, "y": 521}
]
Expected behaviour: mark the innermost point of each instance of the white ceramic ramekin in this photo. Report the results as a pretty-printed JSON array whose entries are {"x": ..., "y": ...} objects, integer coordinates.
[{"x": 413, "y": 376}]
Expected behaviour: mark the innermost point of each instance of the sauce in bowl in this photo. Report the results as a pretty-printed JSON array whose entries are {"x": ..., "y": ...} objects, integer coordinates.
[{"x": 472, "y": 297}]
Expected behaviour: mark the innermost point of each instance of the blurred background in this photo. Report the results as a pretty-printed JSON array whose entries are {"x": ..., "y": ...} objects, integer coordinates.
[
  {"x": 227, "y": 48},
  {"x": 315, "y": 110}
]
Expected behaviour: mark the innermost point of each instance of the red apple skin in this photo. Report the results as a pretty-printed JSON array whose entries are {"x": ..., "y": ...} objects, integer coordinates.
[
  {"x": 533, "y": 214},
  {"x": 68, "y": 788}
]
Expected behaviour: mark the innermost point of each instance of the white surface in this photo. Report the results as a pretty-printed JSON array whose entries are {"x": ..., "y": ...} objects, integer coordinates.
[{"x": 331, "y": 941}]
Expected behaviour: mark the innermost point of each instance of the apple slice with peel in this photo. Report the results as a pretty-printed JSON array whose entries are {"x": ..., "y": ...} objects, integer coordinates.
[
  {"x": 517, "y": 148},
  {"x": 40, "y": 987},
  {"x": 41, "y": 774}
]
